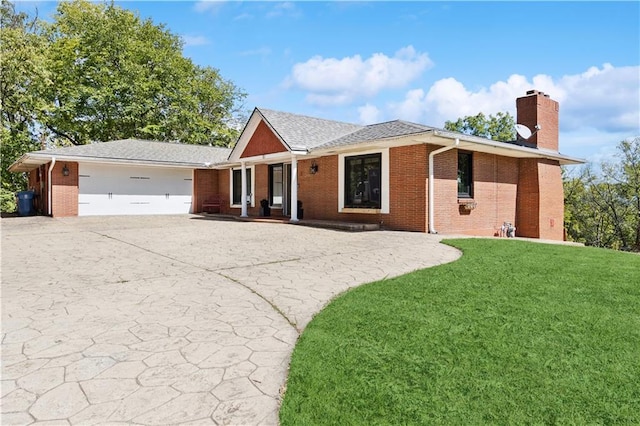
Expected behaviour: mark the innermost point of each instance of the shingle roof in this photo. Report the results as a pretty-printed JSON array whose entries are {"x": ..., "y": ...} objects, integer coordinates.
[
  {"x": 390, "y": 129},
  {"x": 303, "y": 132},
  {"x": 309, "y": 133},
  {"x": 143, "y": 150}
]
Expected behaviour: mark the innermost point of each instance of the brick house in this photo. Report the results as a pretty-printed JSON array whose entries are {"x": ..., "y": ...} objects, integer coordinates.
[{"x": 402, "y": 175}]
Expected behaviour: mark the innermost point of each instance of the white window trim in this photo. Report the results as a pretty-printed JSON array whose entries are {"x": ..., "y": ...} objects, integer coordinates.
[
  {"x": 253, "y": 187},
  {"x": 384, "y": 183}
]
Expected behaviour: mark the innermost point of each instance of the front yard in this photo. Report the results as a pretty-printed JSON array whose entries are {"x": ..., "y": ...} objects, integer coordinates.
[{"x": 512, "y": 333}]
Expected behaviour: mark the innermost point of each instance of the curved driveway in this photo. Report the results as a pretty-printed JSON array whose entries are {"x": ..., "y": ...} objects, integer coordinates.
[{"x": 171, "y": 319}]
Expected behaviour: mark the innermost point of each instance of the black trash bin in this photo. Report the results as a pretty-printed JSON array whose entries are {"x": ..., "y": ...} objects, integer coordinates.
[
  {"x": 300, "y": 210},
  {"x": 25, "y": 203},
  {"x": 265, "y": 210}
]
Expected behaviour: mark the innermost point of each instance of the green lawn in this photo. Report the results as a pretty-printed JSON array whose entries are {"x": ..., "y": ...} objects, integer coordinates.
[{"x": 512, "y": 333}]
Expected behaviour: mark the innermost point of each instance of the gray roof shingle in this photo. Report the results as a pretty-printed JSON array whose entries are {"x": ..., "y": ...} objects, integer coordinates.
[
  {"x": 303, "y": 132},
  {"x": 390, "y": 129},
  {"x": 309, "y": 133},
  {"x": 143, "y": 150}
]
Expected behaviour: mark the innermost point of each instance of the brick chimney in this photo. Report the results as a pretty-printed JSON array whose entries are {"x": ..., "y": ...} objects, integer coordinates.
[
  {"x": 540, "y": 197},
  {"x": 538, "y": 109}
]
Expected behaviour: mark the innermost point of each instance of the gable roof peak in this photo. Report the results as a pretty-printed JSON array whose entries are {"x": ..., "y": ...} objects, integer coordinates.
[{"x": 302, "y": 132}]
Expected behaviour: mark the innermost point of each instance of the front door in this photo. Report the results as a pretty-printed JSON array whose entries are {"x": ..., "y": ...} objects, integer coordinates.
[{"x": 280, "y": 187}]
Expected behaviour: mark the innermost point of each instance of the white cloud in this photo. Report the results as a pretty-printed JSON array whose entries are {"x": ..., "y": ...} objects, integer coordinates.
[
  {"x": 332, "y": 81},
  {"x": 608, "y": 98},
  {"x": 604, "y": 98},
  {"x": 208, "y": 6},
  {"x": 598, "y": 108},
  {"x": 592, "y": 144},
  {"x": 411, "y": 108},
  {"x": 369, "y": 114},
  {"x": 190, "y": 40}
]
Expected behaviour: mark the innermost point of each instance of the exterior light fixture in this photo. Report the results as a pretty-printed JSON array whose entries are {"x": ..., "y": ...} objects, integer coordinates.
[
  {"x": 65, "y": 170},
  {"x": 314, "y": 168}
]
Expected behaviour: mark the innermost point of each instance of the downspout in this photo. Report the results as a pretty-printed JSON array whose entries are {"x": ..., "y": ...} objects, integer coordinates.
[
  {"x": 50, "y": 185},
  {"x": 432, "y": 229}
]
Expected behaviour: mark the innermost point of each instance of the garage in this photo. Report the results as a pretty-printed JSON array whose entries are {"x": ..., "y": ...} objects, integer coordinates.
[
  {"x": 123, "y": 177},
  {"x": 125, "y": 190}
]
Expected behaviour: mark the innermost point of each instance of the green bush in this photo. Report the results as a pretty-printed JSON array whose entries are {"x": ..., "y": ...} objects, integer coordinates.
[{"x": 7, "y": 201}]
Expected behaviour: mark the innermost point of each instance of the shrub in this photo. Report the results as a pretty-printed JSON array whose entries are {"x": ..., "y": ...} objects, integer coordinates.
[{"x": 7, "y": 201}]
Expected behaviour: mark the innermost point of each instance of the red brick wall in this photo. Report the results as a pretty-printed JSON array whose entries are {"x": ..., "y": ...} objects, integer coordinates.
[
  {"x": 408, "y": 173},
  {"x": 495, "y": 185},
  {"x": 538, "y": 109},
  {"x": 407, "y": 203},
  {"x": 495, "y": 180},
  {"x": 64, "y": 190},
  {"x": 551, "y": 201},
  {"x": 261, "y": 189},
  {"x": 223, "y": 190},
  {"x": 205, "y": 185},
  {"x": 505, "y": 190},
  {"x": 528, "y": 201},
  {"x": 263, "y": 141},
  {"x": 319, "y": 192},
  {"x": 540, "y": 193},
  {"x": 540, "y": 200},
  {"x": 446, "y": 189}
]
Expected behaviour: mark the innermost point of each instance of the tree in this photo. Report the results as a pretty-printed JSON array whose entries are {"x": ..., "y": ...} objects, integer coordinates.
[
  {"x": 98, "y": 72},
  {"x": 23, "y": 81},
  {"x": 622, "y": 185},
  {"x": 116, "y": 76},
  {"x": 499, "y": 127},
  {"x": 602, "y": 207}
]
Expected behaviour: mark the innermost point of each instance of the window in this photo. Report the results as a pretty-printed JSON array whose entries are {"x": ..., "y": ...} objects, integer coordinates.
[
  {"x": 362, "y": 183},
  {"x": 237, "y": 185},
  {"x": 276, "y": 186},
  {"x": 465, "y": 175},
  {"x": 353, "y": 169}
]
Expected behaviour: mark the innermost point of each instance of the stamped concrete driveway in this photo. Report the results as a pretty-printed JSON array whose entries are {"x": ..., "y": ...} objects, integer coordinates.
[{"x": 171, "y": 319}]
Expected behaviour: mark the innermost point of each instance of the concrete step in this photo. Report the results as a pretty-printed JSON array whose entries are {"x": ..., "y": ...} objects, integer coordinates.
[
  {"x": 328, "y": 224},
  {"x": 342, "y": 226}
]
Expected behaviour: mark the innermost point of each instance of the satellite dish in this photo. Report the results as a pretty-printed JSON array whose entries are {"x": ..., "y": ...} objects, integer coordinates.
[{"x": 523, "y": 131}]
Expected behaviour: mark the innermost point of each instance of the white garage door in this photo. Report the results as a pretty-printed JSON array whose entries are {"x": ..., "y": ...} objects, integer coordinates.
[{"x": 124, "y": 190}]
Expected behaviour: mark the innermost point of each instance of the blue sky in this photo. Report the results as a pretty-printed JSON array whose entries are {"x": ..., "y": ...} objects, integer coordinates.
[{"x": 421, "y": 61}]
